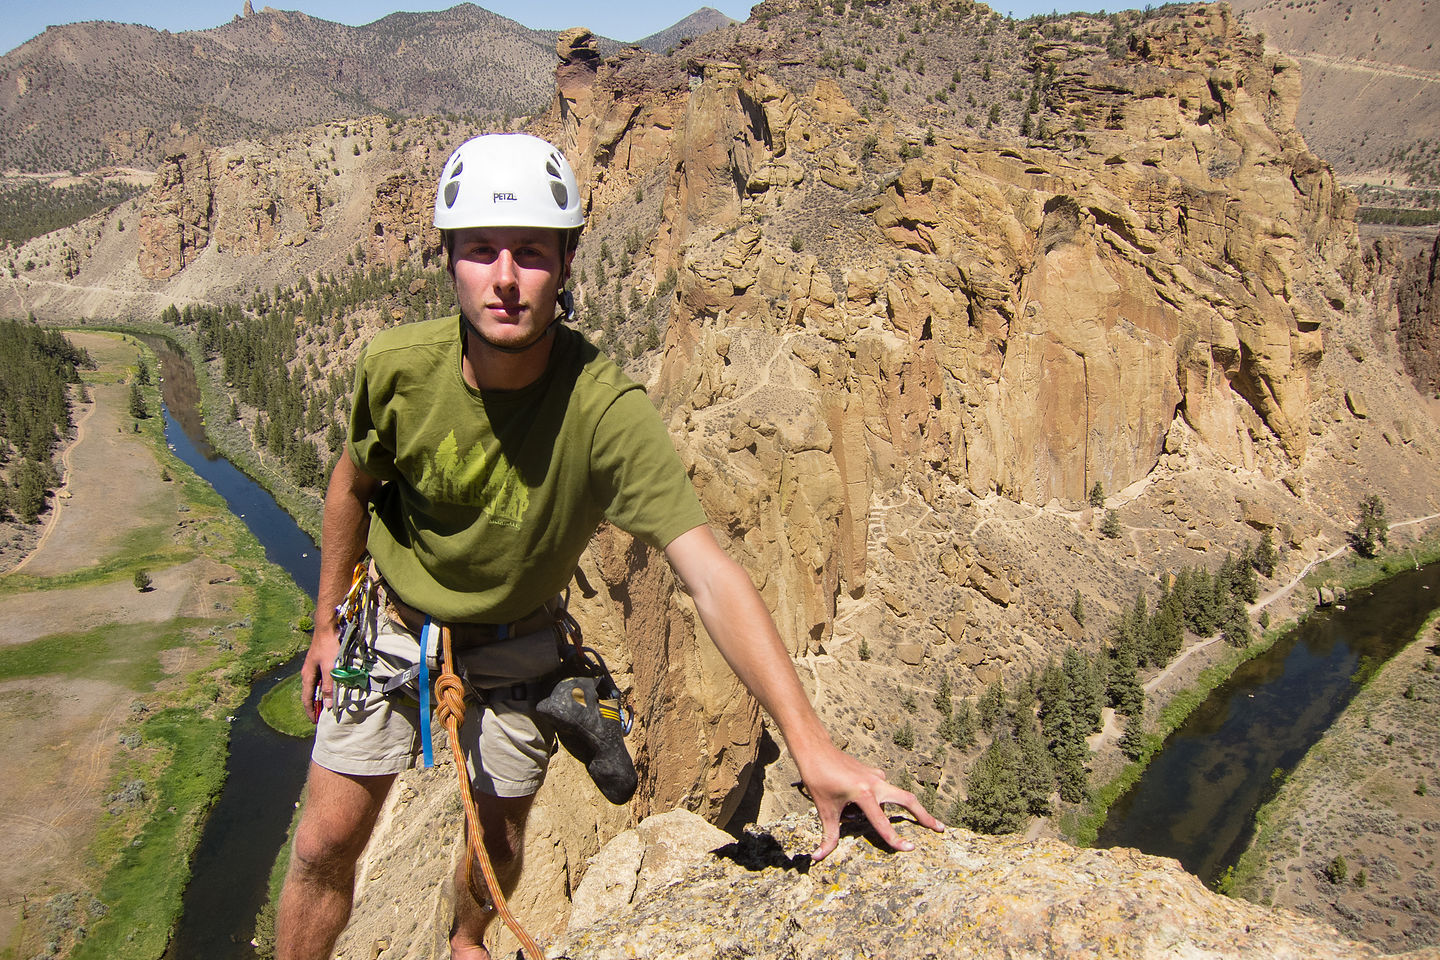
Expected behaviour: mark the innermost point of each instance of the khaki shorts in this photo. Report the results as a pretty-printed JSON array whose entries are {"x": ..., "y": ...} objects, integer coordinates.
[{"x": 507, "y": 745}]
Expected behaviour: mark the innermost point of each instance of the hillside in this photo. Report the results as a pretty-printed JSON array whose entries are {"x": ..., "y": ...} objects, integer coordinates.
[
  {"x": 97, "y": 94},
  {"x": 700, "y": 22},
  {"x": 905, "y": 297},
  {"x": 1371, "y": 94}
]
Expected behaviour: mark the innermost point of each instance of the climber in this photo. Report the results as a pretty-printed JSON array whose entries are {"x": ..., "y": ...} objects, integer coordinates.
[{"x": 483, "y": 451}]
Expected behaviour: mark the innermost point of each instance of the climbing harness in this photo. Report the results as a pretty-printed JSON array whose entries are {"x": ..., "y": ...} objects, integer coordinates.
[{"x": 582, "y": 702}]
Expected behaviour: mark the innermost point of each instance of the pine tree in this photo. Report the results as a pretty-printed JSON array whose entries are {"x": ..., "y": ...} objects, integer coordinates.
[
  {"x": 1077, "y": 610},
  {"x": 29, "y": 491},
  {"x": 1110, "y": 526},
  {"x": 1265, "y": 556},
  {"x": 1132, "y": 744},
  {"x": 992, "y": 705},
  {"x": 994, "y": 802},
  {"x": 1127, "y": 694},
  {"x": 960, "y": 726},
  {"x": 942, "y": 695},
  {"x": 1235, "y": 624},
  {"x": 138, "y": 409},
  {"x": 1036, "y": 772}
]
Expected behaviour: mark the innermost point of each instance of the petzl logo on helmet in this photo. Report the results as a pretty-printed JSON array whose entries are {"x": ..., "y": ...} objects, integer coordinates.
[{"x": 498, "y": 196}]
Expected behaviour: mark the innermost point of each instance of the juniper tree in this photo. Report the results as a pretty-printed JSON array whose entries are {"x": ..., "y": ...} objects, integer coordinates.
[{"x": 1371, "y": 531}]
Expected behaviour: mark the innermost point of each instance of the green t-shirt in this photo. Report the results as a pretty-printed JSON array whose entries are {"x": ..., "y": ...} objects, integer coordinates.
[{"x": 489, "y": 497}]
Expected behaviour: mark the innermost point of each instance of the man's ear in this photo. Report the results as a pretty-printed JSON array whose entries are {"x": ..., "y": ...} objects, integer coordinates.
[{"x": 569, "y": 258}]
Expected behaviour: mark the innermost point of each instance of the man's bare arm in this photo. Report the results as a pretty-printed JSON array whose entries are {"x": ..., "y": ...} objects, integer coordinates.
[
  {"x": 344, "y": 530},
  {"x": 737, "y": 620}
]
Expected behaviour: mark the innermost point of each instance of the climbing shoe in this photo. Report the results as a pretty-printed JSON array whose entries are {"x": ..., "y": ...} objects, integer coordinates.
[{"x": 591, "y": 723}]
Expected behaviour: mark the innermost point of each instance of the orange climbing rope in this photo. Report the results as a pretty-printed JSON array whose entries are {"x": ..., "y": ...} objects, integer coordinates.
[{"x": 450, "y": 709}]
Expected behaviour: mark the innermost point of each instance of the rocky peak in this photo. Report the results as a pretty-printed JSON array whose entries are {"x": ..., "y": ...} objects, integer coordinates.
[{"x": 577, "y": 45}]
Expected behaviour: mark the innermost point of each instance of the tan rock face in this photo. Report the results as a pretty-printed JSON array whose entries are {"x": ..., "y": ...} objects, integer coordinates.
[
  {"x": 176, "y": 217},
  {"x": 959, "y": 894}
]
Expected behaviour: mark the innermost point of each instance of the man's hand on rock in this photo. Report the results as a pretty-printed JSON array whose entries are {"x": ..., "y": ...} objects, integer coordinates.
[{"x": 837, "y": 780}]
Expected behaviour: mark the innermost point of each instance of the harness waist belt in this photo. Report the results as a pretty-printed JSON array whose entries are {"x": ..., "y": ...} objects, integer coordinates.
[{"x": 470, "y": 634}]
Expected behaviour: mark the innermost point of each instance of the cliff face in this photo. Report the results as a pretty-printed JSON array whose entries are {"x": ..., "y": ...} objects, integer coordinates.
[
  {"x": 251, "y": 203},
  {"x": 983, "y": 316}
]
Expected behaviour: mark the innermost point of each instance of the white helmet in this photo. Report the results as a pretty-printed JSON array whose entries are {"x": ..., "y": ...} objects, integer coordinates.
[{"x": 507, "y": 180}]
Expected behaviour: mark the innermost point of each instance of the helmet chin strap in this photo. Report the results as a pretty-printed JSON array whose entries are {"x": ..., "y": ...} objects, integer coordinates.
[{"x": 566, "y": 304}]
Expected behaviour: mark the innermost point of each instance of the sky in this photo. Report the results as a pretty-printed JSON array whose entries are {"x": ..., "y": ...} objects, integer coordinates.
[{"x": 625, "y": 21}]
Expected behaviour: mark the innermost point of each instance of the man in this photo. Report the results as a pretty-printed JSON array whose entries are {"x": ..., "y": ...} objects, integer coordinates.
[{"x": 483, "y": 452}]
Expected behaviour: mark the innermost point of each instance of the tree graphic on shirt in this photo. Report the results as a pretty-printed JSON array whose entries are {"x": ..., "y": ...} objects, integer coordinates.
[{"x": 476, "y": 479}]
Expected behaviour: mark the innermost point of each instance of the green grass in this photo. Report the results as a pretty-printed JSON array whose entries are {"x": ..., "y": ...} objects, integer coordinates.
[
  {"x": 124, "y": 654},
  {"x": 281, "y": 709},
  {"x": 144, "y": 886},
  {"x": 1353, "y": 572},
  {"x": 1398, "y": 216}
]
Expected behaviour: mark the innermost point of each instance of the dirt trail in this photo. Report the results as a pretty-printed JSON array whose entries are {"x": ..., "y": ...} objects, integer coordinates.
[{"x": 62, "y": 494}]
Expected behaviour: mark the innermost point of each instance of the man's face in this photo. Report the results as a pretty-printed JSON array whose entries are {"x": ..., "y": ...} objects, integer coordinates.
[{"x": 507, "y": 279}]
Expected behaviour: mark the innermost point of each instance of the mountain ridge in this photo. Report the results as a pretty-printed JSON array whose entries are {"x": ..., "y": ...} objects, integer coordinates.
[{"x": 98, "y": 94}]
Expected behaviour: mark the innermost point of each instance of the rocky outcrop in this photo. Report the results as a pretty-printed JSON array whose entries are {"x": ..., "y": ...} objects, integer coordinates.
[
  {"x": 176, "y": 216},
  {"x": 959, "y": 894},
  {"x": 1418, "y": 302},
  {"x": 251, "y": 202}
]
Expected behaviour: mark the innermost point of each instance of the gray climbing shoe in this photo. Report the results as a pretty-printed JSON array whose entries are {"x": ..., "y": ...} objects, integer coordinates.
[{"x": 591, "y": 723}]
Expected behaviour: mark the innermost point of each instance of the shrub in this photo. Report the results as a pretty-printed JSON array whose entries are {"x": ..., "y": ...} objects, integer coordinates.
[
  {"x": 1336, "y": 871},
  {"x": 142, "y": 581}
]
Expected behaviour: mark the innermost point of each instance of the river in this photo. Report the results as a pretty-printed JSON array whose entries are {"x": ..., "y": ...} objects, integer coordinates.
[
  {"x": 1197, "y": 800},
  {"x": 246, "y": 827}
]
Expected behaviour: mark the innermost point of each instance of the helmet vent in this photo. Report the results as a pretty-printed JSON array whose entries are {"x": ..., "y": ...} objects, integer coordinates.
[
  {"x": 452, "y": 190},
  {"x": 562, "y": 196}
]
